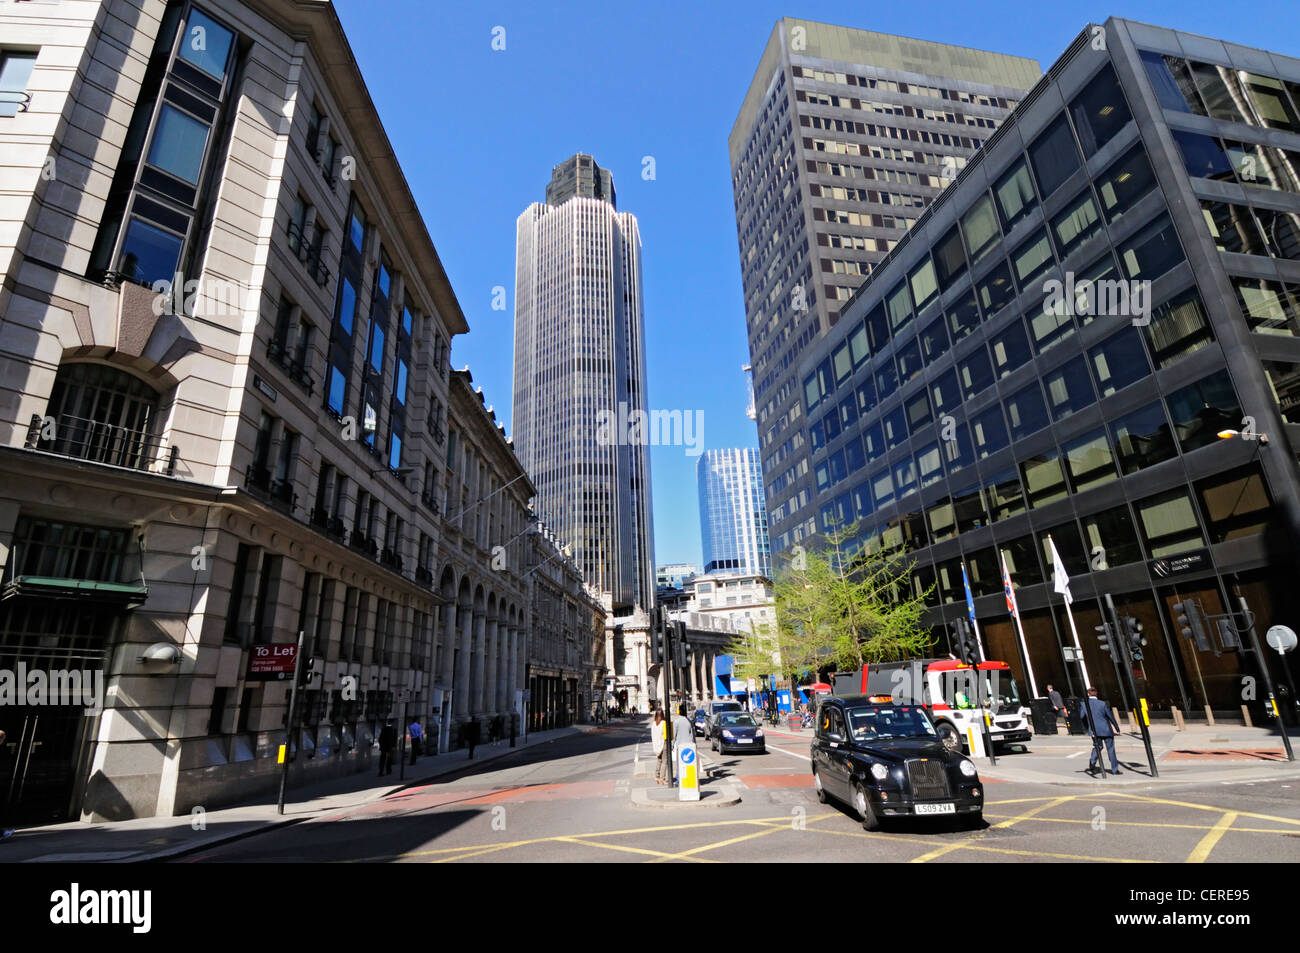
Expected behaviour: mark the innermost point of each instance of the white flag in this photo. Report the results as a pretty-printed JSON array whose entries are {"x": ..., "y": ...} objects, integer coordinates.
[{"x": 1060, "y": 581}]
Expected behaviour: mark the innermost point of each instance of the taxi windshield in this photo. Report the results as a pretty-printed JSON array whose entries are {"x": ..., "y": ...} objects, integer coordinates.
[
  {"x": 889, "y": 721},
  {"x": 730, "y": 719}
]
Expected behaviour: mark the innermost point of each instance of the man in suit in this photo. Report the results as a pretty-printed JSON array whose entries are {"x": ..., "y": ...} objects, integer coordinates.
[
  {"x": 1101, "y": 725},
  {"x": 1058, "y": 703}
]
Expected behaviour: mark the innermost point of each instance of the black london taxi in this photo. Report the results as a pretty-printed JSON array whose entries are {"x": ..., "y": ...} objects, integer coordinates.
[{"x": 886, "y": 760}]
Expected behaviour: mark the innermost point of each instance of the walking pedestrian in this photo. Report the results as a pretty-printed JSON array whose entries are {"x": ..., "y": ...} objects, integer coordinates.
[
  {"x": 417, "y": 739},
  {"x": 659, "y": 742},
  {"x": 1101, "y": 725},
  {"x": 387, "y": 742},
  {"x": 1058, "y": 703}
]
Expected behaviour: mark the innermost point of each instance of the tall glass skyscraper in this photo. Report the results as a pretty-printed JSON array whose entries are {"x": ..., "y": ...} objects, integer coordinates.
[
  {"x": 843, "y": 139},
  {"x": 733, "y": 522},
  {"x": 580, "y": 363}
]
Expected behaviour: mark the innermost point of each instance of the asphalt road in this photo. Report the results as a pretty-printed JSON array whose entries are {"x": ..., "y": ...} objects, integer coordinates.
[{"x": 570, "y": 800}]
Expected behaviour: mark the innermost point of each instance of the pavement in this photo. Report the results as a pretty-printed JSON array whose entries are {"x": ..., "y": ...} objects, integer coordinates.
[{"x": 163, "y": 838}]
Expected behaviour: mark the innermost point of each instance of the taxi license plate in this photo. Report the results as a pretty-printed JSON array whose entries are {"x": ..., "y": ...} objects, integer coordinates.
[
  {"x": 745, "y": 741},
  {"x": 936, "y": 809}
]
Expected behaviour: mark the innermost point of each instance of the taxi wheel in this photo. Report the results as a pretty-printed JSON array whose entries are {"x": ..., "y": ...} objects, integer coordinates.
[
  {"x": 817, "y": 786},
  {"x": 862, "y": 804},
  {"x": 948, "y": 735}
]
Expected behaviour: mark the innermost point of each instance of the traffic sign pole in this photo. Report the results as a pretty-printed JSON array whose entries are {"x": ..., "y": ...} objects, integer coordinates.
[
  {"x": 289, "y": 725},
  {"x": 1121, "y": 637},
  {"x": 1268, "y": 678}
]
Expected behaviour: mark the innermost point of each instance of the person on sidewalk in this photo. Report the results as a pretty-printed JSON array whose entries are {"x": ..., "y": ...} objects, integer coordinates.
[
  {"x": 659, "y": 741},
  {"x": 1101, "y": 725},
  {"x": 471, "y": 736},
  {"x": 417, "y": 739},
  {"x": 387, "y": 743},
  {"x": 1058, "y": 704}
]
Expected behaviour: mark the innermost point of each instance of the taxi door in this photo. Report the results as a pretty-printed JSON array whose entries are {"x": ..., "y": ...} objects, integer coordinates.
[{"x": 830, "y": 754}]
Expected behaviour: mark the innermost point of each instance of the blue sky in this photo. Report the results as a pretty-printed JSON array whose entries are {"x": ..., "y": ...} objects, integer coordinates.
[{"x": 477, "y": 131}]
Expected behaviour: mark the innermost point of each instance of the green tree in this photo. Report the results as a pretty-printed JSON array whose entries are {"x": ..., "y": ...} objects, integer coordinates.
[{"x": 839, "y": 606}]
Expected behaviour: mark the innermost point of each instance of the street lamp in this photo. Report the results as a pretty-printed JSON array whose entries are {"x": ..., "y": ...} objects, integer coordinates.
[{"x": 1229, "y": 434}]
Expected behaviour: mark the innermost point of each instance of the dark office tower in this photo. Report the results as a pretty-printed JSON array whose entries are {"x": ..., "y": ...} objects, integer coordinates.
[
  {"x": 579, "y": 374},
  {"x": 1071, "y": 343},
  {"x": 843, "y": 139}
]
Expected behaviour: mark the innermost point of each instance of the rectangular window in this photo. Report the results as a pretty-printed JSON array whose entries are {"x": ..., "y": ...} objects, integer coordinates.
[
  {"x": 1142, "y": 438},
  {"x": 980, "y": 226},
  {"x": 1270, "y": 307},
  {"x": 899, "y": 307},
  {"x": 149, "y": 254},
  {"x": 990, "y": 431},
  {"x": 934, "y": 342},
  {"x": 958, "y": 451},
  {"x": 1069, "y": 388},
  {"x": 1235, "y": 504},
  {"x": 905, "y": 477},
  {"x": 1119, "y": 361},
  {"x": 909, "y": 361},
  {"x": 1169, "y": 525},
  {"x": 15, "y": 73},
  {"x": 1044, "y": 481},
  {"x": 1032, "y": 260},
  {"x": 1054, "y": 156},
  {"x": 1171, "y": 82},
  {"x": 917, "y": 409},
  {"x": 338, "y": 386},
  {"x": 178, "y": 144},
  {"x": 1099, "y": 111},
  {"x": 975, "y": 373},
  {"x": 859, "y": 348},
  {"x": 873, "y": 441},
  {"x": 1152, "y": 251},
  {"x": 963, "y": 316},
  {"x": 842, "y": 363},
  {"x": 1090, "y": 460},
  {"x": 866, "y": 395},
  {"x": 1199, "y": 411},
  {"x": 969, "y": 509},
  {"x": 347, "y": 306},
  {"x": 996, "y": 289},
  {"x": 882, "y": 488},
  {"x": 949, "y": 259},
  {"x": 929, "y": 464},
  {"x": 206, "y": 44},
  {"x": 1284, "y": 382},
  {"x": 1204, "y": 157},
  {"x": 1110, "y": 535},
  {"x": 886, "y": 380},
  {"x": 1010, "y": 348},
  {"x": 1079, "y": 222},
  {"x": 1026, "y": 412},
  {"x": 878, "y": 328},
  {"x": 1015, "y": 195},
  {"x": 923, "y": 283},
  {"x": 1005, "y": 496},
  {"x": 895, "y": 428},
  {"x": 1124, "y": 183},
  {"x": 1178, "y": 328}
]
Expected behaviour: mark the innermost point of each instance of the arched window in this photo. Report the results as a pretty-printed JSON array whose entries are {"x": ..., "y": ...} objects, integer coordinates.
[{"x": 102, "y": 414}]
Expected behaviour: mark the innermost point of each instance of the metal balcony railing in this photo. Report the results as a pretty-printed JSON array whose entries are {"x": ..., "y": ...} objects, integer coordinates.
[
  {"x": 14, "y": 101},
  {"x": 101, "y": 442}
]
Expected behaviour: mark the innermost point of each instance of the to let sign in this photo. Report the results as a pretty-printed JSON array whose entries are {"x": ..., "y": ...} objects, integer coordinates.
[{"x": 275, "y": 660}]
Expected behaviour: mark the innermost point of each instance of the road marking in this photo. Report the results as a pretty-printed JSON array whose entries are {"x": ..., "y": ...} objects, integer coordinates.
[
  {"x": 657, "y": 854},
  {"x": 895, "y": 838},
  {"x": 1077, "y": 754},
  {"x": 1199, "y": 807},
  {"x": 689, "y": 854},
  {"x": 790, "y": 753},
  {"x": 472, "y": 853},
  {"x": 949, "y": 848},
  {"x": 1201, "y": 852},
  {"x": 1189, "y": 827}
]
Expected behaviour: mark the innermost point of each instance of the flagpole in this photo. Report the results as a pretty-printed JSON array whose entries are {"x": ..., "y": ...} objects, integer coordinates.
[
  {"x": 1015, "y": 613},
  {"x": 1056, "y": 565},
  {"x": 970, "y": 609}
]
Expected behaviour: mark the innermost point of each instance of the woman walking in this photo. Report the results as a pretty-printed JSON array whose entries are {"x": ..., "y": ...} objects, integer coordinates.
[{"x": 658, "y": 739}]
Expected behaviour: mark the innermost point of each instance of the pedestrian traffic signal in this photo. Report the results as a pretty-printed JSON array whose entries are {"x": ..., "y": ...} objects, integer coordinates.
[
  {"x": 963, "y": 641},
  {"x": 1133, "y": 633},
  {"x": 1107, "y": 639},
  {"x": 1191, "y": 625}
]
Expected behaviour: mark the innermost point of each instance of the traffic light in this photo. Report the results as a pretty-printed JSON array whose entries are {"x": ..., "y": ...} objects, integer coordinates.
[
  {"x": 679, "y": 643},
  {"x": 1191, "y": 625},
  {"x": 1133, "y": 633},
  {"x": 963, "y": 641},
  {"x": 1107, "y": 639}
]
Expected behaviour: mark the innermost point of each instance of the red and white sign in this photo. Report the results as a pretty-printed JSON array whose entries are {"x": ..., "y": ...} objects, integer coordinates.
[{"x": 274, "y": 660}]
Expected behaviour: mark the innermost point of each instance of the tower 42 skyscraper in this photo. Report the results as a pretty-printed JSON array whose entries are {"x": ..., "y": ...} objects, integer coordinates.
[{"x": 579, "y": 355}]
